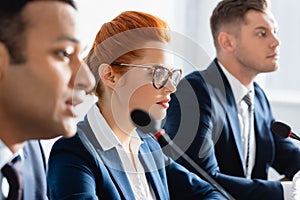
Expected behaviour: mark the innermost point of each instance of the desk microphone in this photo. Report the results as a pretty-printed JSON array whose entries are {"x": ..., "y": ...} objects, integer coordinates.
[
  {"x": 147, "y": 124},
  {"x": 283, "y": 130}
]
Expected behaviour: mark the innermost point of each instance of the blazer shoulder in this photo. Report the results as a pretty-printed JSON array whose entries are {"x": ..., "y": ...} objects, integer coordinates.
[
  {"x": 73, "y": 146},
  {"x": 195, "y": 76},
  {"x": 259, "y": 92},
  {"x": 67, "y": 142}
]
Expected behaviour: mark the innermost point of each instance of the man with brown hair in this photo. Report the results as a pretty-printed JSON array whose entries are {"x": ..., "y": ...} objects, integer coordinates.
[{"x": 221, "y": 116}]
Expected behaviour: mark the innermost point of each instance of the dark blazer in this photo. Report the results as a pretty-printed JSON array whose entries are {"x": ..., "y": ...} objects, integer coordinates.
[
  {"x": 203, "y": 121},
  {"x": 80, "y": 169},
  {"x": 33, "y": 169}
]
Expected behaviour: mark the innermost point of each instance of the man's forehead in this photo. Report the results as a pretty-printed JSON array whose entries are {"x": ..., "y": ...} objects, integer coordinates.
[
  {"x": 52, "y": 23},
  {"x": 46, "y": 12},
  {"x": 260, "y": 18}
]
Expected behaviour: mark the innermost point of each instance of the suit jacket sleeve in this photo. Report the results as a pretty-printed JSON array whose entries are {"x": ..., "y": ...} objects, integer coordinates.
[
  {"x": 34, "y": 171},
  {"x": 190, "y": 123}
]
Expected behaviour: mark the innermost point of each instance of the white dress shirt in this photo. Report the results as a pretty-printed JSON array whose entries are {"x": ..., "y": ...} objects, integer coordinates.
[
  {"x": 132, "y": 165},
  {"x": 5, "y": 156}
]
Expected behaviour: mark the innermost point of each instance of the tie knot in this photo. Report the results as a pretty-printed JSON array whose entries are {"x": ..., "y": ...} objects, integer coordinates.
[{"x": 248, "y": 100}]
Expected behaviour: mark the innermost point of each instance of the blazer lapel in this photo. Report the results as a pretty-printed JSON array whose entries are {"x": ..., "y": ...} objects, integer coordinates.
[
  {"x": 32, "y": 168},
  {"x": 234, "y": 122},
  {"x": 111, "y": 160},
  {"x": 223, "y": 95},
  {"x": 113, "y": 163},
  {"x": 264, "y": 142},
  {"x": 27, "y": 174},
  {"x": 152, "y": 171}
]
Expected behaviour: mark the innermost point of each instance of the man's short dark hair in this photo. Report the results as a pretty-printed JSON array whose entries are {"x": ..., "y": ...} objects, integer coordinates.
[
  {"x": 233, "y": 12},
  {"x": 13, "y": 27}
]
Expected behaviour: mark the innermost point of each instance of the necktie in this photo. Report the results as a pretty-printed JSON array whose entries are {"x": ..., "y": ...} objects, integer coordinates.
[
  {"x": 248, "y": 101},
  {"x": 14, "y": 180}
]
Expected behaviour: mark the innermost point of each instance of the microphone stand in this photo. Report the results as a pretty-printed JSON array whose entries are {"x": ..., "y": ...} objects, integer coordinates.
[
  {"x": 147, "y": 124},
  {"x": 164, "y": 139}
]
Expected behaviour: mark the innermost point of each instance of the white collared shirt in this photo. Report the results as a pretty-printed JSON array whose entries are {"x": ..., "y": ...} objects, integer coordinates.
[
  {"x": 5, "y": 156},
  {"x": 239, "y": 91},
  {"x": 132, "y": 165}
]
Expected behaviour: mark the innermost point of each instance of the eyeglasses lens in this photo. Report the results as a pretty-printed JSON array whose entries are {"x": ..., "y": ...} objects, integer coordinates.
[
  {"x": 176, "y": 77},
  {"x": 161, "y": 76}
]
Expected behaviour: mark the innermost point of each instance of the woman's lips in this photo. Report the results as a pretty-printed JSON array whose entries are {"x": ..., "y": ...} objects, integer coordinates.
[{"x": 164, "y": 103}]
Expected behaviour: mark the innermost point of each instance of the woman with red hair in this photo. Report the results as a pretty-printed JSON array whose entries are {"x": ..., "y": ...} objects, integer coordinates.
[{"x": 109, "y": 158}]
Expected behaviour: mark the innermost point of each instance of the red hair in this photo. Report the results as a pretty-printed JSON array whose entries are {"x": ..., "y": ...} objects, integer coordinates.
[{"x": 122, "y": 40}]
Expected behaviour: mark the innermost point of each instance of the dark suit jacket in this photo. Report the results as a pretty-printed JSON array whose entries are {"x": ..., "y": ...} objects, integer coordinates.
[
  {"x": 33, "y": 169},
  {"x": 203, "y": 121},
  {"x": 80, "y": 169}
]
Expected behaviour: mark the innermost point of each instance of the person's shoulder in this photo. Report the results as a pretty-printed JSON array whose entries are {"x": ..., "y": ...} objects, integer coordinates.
[
  {"x": 73, "y": 148},
  {"x": 192, "y": 82},
  {"x": 76, "y": 140},
  {"x": 257, "y": 87},
  {"x": 73, "y": 144},
  {"x": 259, "y": 92},
  {"x": 205, "y": 75},
  {"x": 194, "y": 75},
  {"x": 67, "y": 140}
]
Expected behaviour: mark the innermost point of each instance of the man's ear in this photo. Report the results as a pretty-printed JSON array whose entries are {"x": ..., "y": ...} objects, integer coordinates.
[
  {"x": 107, "y": 75},
  {"x": 4, "y": 60},
  {"x": 226, "y": 41}
]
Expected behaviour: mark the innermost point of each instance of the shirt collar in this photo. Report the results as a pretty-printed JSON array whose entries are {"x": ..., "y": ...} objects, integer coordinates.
[
  {"x": 238, "y": 89},
  {"x": 5, "y": 154},
  {"x": 103, "y": 133}
]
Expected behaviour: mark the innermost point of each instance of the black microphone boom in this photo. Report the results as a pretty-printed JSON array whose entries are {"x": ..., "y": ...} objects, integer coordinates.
[
  {"x": 145, "y": 122},
  {"x": 283, "y": 130}
]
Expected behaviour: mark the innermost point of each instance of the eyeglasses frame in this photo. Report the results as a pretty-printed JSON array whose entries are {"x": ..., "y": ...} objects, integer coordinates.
[{"x": 153, "y": 67}]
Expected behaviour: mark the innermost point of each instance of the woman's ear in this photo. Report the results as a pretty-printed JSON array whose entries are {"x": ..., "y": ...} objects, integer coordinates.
[
  {"x": 107, "y": 75},
  {"x": 226, "y": 41}
]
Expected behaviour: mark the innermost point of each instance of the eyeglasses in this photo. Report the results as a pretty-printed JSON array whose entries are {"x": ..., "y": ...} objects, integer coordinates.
[{"x": 160, "y": 74}]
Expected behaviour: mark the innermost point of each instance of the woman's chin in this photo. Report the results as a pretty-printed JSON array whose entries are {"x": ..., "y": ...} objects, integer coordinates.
[{"x": 158, "y": 114}]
